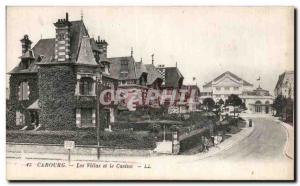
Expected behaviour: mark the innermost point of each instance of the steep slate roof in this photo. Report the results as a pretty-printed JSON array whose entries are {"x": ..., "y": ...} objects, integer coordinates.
[
  {"x": 153, "y": 74},
  {"x": 245, "y": 83},
  {"x": 43, "y": 47},
  {"x": 115, "y": 68},
  {"x": 81, "y": 52},
  {"x": 172, "y": 77},
  {"x": 77, "y": 31},
  {"x": 140, "y": 68},
  {"x": 85, "y": 55},
  {"x": 46, "y": 48},
  {"x": 281, "y": 78}
]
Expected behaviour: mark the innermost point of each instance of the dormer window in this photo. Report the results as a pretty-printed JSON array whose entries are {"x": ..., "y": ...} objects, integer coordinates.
[
  {"x": 39, "y": 59},
  {"x": 124, "y": 66},
  {"x": 25, "y": 64},
  {"x": 106, "y": 68}
]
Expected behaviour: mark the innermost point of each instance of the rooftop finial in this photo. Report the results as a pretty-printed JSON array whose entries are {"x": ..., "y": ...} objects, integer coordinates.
[
  {"x": 81, "y": 14},
  {"x": 67, "y": 16},
  {"x": 141, "y": 59},
  {"x": 176, "y": 64},
  {"x": 98, "y": 38},
  {"x": 152, "y": 56},
  {"x": 131, "y": 54}
]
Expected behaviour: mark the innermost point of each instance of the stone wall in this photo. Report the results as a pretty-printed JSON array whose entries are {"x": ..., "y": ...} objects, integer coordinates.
[
  {"x": 57, "y": 96},
  {"x": 14, "y": 104}
]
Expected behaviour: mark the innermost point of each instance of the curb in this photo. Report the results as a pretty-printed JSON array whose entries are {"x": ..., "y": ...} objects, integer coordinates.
[
  {"x": 228, "y": 146},
  {"x": 287, "y": 141}
]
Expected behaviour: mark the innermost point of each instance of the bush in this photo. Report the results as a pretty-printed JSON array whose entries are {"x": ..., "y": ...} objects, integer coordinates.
[
  {"x": 142, "y": 126},
  {"x": 174, "y": 128},
  {"x": 191, "y": 142},
  {"x": 154, "y": 128}
]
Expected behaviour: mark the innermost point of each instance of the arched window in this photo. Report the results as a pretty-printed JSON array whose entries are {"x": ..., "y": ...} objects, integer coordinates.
[
  {"x": 86, "y": 86},
  {"x": 258, "y": 103},
  {"x": 258, "y": 107},
  {"x": 23, "y": 92},
  {"x": 267, "y": 102}
]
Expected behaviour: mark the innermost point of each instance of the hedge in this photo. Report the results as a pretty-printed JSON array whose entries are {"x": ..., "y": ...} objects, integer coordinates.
[{"x": 122, "y": 139}]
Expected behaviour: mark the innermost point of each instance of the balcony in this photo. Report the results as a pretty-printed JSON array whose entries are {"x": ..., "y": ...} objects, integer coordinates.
[{"x": 85, "y": 101}]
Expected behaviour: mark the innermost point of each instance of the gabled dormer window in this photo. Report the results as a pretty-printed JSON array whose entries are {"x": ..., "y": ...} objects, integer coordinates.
[
  {"x": 124, "y": 66},
  {"x": 25, "y": 64},
  {"x": 39, "y": 59},
  {"x": 106, "y": 69}
]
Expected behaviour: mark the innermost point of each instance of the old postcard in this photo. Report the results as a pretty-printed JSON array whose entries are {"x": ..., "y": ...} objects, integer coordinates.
[{"x": 150, "y": 93}]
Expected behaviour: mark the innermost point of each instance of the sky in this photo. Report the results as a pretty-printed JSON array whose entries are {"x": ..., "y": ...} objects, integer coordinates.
[{"x": 250, "y": 42}]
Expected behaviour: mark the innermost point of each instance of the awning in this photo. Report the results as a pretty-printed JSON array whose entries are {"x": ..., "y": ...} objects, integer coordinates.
[{"x": 34, "y": 105}]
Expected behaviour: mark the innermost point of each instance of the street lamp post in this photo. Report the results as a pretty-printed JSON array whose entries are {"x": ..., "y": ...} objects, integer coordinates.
[{"x": 98, "y": 116}]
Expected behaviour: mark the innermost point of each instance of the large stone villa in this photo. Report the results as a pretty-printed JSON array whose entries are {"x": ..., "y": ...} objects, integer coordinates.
[{"x": 54, "y": 84}]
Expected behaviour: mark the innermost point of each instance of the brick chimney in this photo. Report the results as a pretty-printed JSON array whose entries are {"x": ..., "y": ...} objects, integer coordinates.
[
  {"x": 102, "y": 45},
  {"x": 26, "y": 44},
  {"x": 62, "y": 39}
]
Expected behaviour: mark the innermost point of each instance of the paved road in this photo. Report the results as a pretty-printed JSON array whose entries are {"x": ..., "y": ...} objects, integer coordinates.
[
  {"x": 264, "y": 146},
  {"x": 266, "y": 142}
]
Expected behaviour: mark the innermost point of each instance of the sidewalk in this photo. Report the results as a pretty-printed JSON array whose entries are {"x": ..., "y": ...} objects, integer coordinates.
[
  {"x": 225, "y": 145},
  {"x": 289, "y": 146}
]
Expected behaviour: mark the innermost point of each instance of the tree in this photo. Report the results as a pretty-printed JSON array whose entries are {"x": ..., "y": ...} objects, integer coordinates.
[
  {"x": 243, "y": 106},
  {"x": 221, "y": 102},
  {"x": 209, "y": 103},
  {"x": 218, "y": 107},
  {"x": 235, "y": 101},
  {"x": 278, "y": 104}
]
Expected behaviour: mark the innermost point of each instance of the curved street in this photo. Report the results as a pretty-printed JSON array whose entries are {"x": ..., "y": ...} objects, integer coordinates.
[
  {"x": 266, "y": 142},
  {"x": 258, "y": 156}
]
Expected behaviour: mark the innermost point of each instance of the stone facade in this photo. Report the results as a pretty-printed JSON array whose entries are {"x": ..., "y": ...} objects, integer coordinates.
[{"x": 285, "y": 85}]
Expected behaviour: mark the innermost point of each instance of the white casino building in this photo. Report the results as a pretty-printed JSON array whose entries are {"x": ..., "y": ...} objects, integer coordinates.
[{"x": 256, "y": 100}]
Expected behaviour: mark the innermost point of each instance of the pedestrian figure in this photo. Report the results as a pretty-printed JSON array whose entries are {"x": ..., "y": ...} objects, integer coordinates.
[{"x": 206, "y": 144}]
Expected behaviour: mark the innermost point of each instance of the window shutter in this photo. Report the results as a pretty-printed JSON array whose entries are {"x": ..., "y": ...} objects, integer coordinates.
[
  {"x": 28, "y": 91},
  {"x": 22, "y": 119},
  {"x": 94, "y": 117},
  {"x": 78, "y": 118},
  {"x": 25, "y": 91},
  {"x": 19, "y": 91},
  {"x": 17, "y": 118}
]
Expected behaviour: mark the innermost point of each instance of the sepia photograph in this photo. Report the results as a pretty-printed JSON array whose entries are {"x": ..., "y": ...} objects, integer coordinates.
[{"x": 150, "y": 93}]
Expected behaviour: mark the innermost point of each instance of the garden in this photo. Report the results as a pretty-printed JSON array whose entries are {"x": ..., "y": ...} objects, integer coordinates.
[{"x": 140, "y": 129}]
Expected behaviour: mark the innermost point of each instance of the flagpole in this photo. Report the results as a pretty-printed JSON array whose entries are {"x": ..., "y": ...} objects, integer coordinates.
[{"x": 258, "y": 81}]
